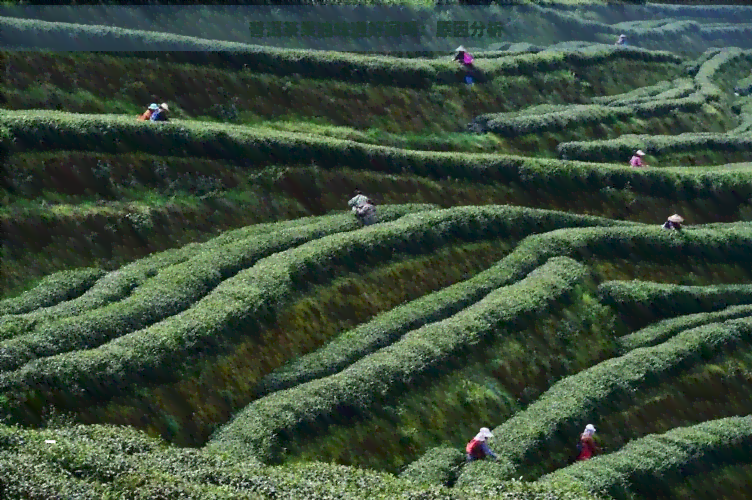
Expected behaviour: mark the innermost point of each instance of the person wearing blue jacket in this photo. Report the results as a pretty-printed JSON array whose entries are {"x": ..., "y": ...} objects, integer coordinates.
[{"x": 160, "y": 115}]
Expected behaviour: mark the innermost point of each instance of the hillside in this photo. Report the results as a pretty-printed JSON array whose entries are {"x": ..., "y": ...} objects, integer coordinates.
[{"x": 189, "y": 310}]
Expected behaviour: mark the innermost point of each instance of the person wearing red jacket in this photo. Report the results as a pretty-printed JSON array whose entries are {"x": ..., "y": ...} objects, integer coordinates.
[
  {"x": 477, "y": 448},
  {"x": 588, "y": 448}
]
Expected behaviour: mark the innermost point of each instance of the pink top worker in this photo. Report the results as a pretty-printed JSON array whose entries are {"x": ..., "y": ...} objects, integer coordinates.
[{"x": 636, "y": 160}]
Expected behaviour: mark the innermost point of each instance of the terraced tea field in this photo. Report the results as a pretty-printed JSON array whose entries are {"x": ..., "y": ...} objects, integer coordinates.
[{"x": 189, "y": 310}]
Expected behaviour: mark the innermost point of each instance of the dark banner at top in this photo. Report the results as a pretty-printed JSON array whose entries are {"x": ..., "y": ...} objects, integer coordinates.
[{"x": 359, "y": 28}]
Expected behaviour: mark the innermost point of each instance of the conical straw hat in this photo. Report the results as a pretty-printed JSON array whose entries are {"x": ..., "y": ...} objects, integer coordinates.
[{"x": 676, "y": 218}]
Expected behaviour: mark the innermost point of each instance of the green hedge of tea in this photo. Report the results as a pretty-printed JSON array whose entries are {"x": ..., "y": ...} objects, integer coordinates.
[
  {"x": 668, "y": 9},
  {"x": 577, "y": 400},
  {"x": 51, "y": 290},
  {"x": 171, "y": 291},
  {"x": 515, "y": 124},
  {"x": 374, "y": 70},
  {"x": 105, "y": 463},
  {"x": 240, "y": 305},
  {"x": 693, "y": 67},
  {"x": 621, "y": 149},
  {"x": 663, "y": 330},
  {"x": 257, "y": 148},
  {"x": 744, "y": 86},
  {"x": 681, "y": 87},
  {"x": 708, "y": 70},
  {"x": 440, "y": 466},
  {"x": 119, "y": 284},
  {"x": 745, "y": 110},
  {"x": 662, "y": 36},
  {"x": 641, "y": 303},
  {"x": 388, "y": 327},
  {"x": 661, "y": 458},
  {"x": 263, "y": 427}
]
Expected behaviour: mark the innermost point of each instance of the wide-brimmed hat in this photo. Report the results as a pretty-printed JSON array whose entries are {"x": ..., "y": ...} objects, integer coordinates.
[
  {"x": 461, "y": 48},
  {"x": 484, "y": 434},
  {"x": 153, "y": 106},
  {"x": 164, "y": 106},
  {"x": 676, "y": 218},
  {"x": 640, "y": 152},
  {"x": 622, "y": 36}
]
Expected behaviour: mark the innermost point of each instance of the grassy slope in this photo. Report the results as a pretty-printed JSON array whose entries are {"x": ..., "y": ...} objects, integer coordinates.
[
  {"x": 489, "y": 386},
  {"x": 725, "y": 483},
  {"x": 495, "y": 386},
  {"x": 187, "y": 412},
  {"x": 175, "y": 419},
  {"x": 111, "y": 84},
  {"x": 84, "y": 233},
  {"x": 107, "y": 84}
]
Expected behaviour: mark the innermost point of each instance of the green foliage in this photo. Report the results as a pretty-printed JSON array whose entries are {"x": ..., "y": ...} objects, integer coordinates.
[
  {"x": 257, "y": 148},
  {"x": 646, "y": 463},
  {"x": 707, "y": 91},
  {"x": 172, "y": 290},
  {"x": 247, "y": 300},
  {"x": 314, "y": 64},
  {"x": 577, "y": 400},
  {"x": 745, "y": 110},
  {"x": 693, "y": 67},
  {"x": 83, "y": 339},
  {"x": 708, "y": 70},
  {"x": 644, "y": 35},
  {"x": 641, "y": 303},
  {"x": 640, "y": 94},
  {"x": 175, "y": 288},
  {"x": 492, "y": 384},
  {"x": 678, "y": 89},
  {"x": 621, "y": 149},
  {"x": 5, "y": 146},
  {"x": 51, "y": 290},
  {"x": 663, "y": 330},
  {"x": 390, "y": 326},
  {"x": 262, "y": 428},
  {"x": 119, "y": 284},
  {"x": 440, "y": 465},
  {"x": 514, "y": 124},
  {"x": 744, "y": 86},
  {"x": 106, "y": 462}
]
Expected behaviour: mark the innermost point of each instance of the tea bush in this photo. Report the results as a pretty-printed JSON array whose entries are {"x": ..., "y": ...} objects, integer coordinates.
[
  {"x": 374, "y": 70},
  {"x": 439, "y": 466},
  {"x": 262, "y": 428},
  {"x": 663, "y": 330},
  {"x": 514, "y": 124},
  {"x": 108, "y": 462},
  {"x": 574, "y": 401},
  {"x": 660, "y": 458},
  {"x": 621, "y": 149},
  {"x": 257, "y": 148},
  {"x": 641, "y": 303},
  {"x": 242, "y": 304},
  {"x": 171, "y": 291},
  {"x": 51, "y": 290},
  {"x": 390, "y": 326},
  {"x": 119, "y": 284}
]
